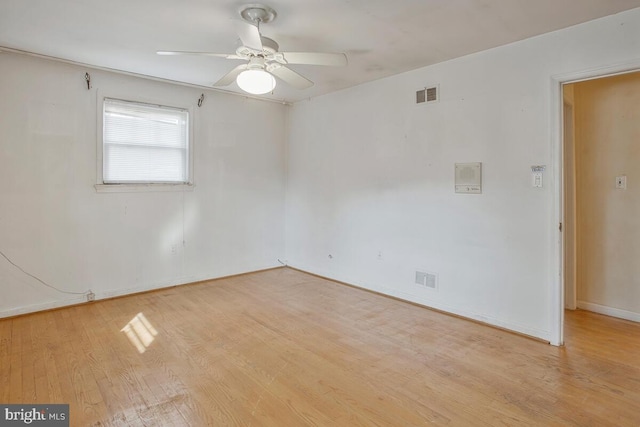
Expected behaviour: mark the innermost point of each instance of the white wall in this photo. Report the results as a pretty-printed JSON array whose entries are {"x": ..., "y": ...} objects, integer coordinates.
[
  {"x": 56, "y": 226},
  {"x": 371, "y": 172}
]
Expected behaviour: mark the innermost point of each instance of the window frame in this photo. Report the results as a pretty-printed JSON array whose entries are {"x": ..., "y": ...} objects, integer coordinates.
[{"x": 103, "y": 187}]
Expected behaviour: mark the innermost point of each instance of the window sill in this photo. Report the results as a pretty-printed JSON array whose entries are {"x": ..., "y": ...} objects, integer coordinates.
[{"x": 141, "y": 188}]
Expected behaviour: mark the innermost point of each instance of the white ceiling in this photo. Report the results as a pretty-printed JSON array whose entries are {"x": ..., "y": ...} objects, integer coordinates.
[{"x": 380, "y": 37}]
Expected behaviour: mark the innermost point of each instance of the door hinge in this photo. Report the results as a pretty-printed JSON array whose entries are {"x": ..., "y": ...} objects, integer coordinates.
[{"x": 560, "y": 227}]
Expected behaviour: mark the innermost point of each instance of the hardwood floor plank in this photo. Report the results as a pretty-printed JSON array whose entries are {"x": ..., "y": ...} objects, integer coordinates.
[
  {"x": 282, "y": 347},
  {"x": 45, "y": 381},
  {"x": 16, "y": 368},
  {"x": 5, "y": 360}
]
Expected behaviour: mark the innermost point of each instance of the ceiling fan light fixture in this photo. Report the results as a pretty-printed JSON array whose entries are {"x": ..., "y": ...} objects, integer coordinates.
[
  {"x": 264, "y": 59},
  {"x": 256, "y": 82}
]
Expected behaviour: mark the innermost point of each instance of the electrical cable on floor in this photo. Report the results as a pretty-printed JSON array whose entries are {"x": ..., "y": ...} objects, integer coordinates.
[{"x": 38, "y": 279}]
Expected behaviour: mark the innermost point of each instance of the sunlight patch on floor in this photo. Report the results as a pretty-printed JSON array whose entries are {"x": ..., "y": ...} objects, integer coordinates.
[{"x": 140, "y": 332}]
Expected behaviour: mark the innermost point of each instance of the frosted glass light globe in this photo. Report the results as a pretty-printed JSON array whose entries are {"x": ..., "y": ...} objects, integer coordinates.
[{"x": 256, "y": 82}]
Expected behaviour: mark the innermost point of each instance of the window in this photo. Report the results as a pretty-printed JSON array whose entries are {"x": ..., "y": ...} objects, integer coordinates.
[{"x": 144, "y": 143}]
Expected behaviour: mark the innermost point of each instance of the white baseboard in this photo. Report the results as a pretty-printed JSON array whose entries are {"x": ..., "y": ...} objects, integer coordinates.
[
  {"x": 421, "y": 300},
  {"x": 128, "y": 290},
  {"x": 609, "y": 311},
  {"x": 33, "y": 308}
]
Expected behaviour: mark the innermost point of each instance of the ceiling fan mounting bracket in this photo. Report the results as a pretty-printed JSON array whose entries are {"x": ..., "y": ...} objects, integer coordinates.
[{"x": 256, "y": 13}]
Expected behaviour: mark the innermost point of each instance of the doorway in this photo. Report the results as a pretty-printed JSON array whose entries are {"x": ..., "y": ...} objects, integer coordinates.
[{"x": 601, "y": 195}]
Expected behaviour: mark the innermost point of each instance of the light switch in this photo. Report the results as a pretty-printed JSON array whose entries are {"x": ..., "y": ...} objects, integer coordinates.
[{"x": 621, "y": 182}]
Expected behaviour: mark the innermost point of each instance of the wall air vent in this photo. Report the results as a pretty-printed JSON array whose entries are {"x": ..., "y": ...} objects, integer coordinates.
[
  {"x": 428, "y": 280},
  {"x": 427, "y": 95}
]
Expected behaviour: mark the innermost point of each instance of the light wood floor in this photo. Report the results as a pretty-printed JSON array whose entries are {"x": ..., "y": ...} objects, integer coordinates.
[{"x": 283, "y": 348}]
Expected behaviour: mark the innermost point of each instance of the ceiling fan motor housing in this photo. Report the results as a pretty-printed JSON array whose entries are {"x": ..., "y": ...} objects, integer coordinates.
[
  {"x": 256, "y": 63},
  {"x": 269, "y": 47}
]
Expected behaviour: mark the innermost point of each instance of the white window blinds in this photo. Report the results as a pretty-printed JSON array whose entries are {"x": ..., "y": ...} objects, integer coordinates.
[{"x": 144, "y": 143}]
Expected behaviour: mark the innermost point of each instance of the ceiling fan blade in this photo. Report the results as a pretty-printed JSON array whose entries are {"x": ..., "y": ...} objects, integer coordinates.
[
  {"x": 289, "y": 76},
  {"x": 230, "y": 77},
  {"x": 182, "y": 52},
  {"x": 249, "y": 35},
  {"x": 311, "y": 58}
]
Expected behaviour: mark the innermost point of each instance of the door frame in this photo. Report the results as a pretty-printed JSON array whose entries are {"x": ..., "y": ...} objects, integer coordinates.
[
  {"x": 569, "y": 222},
  {"x": 557, "y": 251}
]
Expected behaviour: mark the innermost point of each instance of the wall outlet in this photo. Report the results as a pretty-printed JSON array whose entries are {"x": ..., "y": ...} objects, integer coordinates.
[
  {"x": 621, "y": 182},
  {"x": 91, "y": 296},
  {"x": 174, "y": 249}
]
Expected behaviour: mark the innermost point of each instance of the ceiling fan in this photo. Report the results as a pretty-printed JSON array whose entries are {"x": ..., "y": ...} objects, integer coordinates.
[{"x": 263, "y": 60}]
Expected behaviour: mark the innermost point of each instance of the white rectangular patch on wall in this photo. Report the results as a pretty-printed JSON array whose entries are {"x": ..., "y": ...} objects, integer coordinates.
[{"x": 468, "y": 178}]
